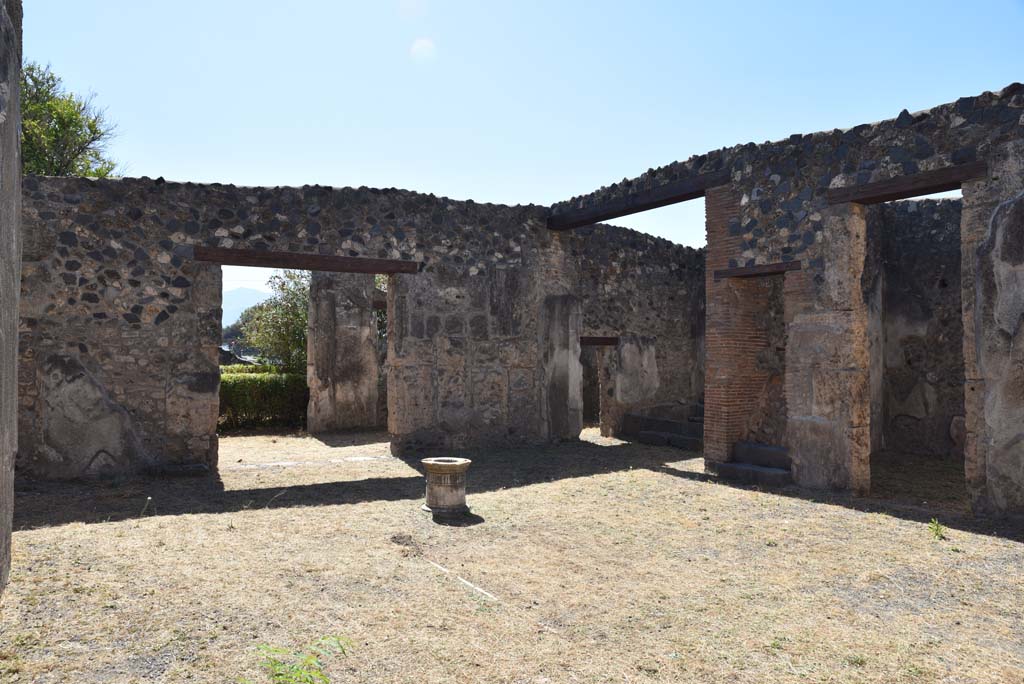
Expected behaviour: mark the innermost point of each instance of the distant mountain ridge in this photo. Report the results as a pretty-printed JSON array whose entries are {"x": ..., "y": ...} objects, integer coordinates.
[{"x": 235, "y": 301}]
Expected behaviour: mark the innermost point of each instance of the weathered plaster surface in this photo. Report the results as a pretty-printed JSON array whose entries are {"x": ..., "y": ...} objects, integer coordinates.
[
  {"x": 343, "y": 360},
  {"x": 10, "y": 264},
  {"x": 561, "y": 325},
  {"x": 993, "y": 255}
]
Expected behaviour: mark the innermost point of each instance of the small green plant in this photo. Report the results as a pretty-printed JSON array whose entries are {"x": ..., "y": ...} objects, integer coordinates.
[
  {"x": 301, "y": 667},
  {"x": 937, "y": 529},
  {"x": 856, "y": 660}
]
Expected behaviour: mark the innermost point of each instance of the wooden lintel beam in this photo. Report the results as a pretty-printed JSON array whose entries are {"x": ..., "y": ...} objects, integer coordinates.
[
  {"x": 599, "y": 341},
  {"x": 914, "y": 185},
  {"x": 298, "y": 260},
  {"x": 759, "y": 270},
  {"x": 670, "y": 193}
]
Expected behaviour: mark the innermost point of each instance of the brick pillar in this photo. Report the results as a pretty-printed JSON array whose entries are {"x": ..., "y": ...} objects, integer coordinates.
[
  {"x": 735, "y": 380},
  {"x": 721, "y": 400}
]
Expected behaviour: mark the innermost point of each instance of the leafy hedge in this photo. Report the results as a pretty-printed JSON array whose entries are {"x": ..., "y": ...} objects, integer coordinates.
[
  {"x": 250, "y": 400},
  {"x": 245, "y": 368}
]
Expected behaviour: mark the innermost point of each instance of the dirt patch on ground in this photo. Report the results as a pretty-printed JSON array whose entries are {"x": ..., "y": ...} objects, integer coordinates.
[{"x": 591, "y": 562}]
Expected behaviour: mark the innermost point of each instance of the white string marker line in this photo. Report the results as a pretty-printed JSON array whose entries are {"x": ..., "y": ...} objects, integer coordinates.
[{"x": 464, "y": 581}]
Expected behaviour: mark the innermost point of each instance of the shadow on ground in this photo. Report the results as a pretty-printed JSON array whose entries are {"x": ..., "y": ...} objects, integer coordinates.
[
  {"x": 337, "y": 439},
  {"x": 44, "y": 504},
  {"x": 950, "y": 516}
]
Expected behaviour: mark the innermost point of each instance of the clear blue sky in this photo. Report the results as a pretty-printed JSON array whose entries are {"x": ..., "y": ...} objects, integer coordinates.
[{"x": 513, "y": 102}]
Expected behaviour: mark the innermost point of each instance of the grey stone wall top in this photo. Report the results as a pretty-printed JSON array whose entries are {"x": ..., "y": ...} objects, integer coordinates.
[{"x": 950, "y": 133}]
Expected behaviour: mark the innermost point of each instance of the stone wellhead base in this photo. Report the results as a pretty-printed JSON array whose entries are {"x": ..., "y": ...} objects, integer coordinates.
[{"x": 446, "y": 486}]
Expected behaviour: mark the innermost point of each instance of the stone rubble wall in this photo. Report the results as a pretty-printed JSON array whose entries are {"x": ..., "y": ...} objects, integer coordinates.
[
  {"x": 774, "y": 208},
  {"x": 109, "y": 289},
  {"x": 483, "y": 342},
  {"x": 482, "y": 339},
  {"x": 922, "y": 361},
  {"x": 785, "y": 180},
  {"x": 10, "y": 269}
]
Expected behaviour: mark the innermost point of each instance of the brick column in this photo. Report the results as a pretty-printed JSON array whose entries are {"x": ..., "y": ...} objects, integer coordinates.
[
  {"x": 736, "y": 335},
  {"x": 721, "y": 398}
]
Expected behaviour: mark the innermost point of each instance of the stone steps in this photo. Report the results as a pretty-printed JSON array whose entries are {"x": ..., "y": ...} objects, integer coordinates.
[
  {"x": 678, "y": 441},
  {"x": 681, "y": 427},
  {"x": 753, "y": 474},
  {"x": 634, "y": 424},
  {"x": 754, "y": 463},
  {"x": 766, "y": 455}
]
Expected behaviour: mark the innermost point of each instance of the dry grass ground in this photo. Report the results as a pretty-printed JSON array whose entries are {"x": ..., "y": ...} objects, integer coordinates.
[{"x": 607, "y": 563}]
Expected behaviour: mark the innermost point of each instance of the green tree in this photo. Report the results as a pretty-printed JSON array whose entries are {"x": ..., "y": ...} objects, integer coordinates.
[
  {"x": 62, "y": 134},
  {"x": 277, "y": 327},
  {"x": 233, "y": 336}
]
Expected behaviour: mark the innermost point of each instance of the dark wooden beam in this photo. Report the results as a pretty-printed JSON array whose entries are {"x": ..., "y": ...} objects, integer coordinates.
[
  {"x": 760, "y": 270},
  {"x": 903, "y": 187},
  {"x": 599, "y": 341},
  {"x": 670, "y": 193},
  {"x": 298, "y": 260}
]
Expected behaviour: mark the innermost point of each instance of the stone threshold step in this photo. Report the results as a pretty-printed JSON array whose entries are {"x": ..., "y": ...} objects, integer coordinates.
[
  {"x": 633, "y": 424},
  {"x": 766, "y": 455},
  {"x": 753, "y": 474},
  {"x": 670, "y": 439}
]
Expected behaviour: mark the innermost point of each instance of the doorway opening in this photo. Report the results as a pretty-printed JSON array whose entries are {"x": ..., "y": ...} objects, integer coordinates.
[
  {"x": 912, "y": 286},
  {"x": 263, "y": 351},
  {"x": 649, "y": 383},
  {"x": 765, "y": 422},
  {"x": 333, "y": 344},
  {"x": 590, "y": 359},
  {"x": 747, "y": 432}
]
